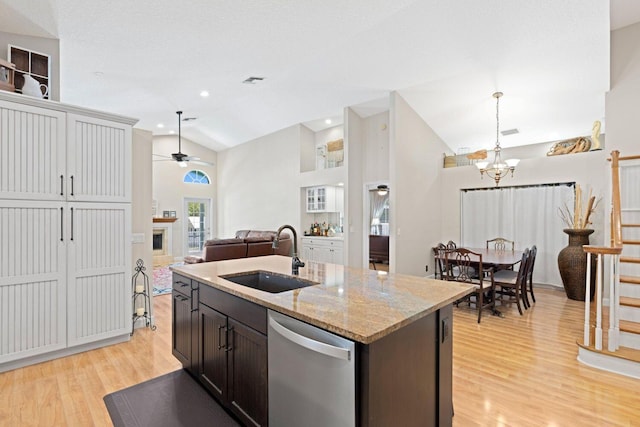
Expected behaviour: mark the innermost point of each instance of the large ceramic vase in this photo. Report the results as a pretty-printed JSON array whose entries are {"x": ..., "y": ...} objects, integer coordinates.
[{"x": 572, "y": 262}]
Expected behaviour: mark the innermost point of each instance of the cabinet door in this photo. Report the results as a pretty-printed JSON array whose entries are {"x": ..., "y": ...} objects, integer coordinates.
[
  {"x": 322, "y": 253},
  {"x": 181, "y": 332},
  {"x": 32, "y": 153},
  {"x": 99, "y": 271},
  {"x": 311, "y": 200},
  {"x": 213, "y": 351},
  {"x": 247, "y": 381},
  {"x": 307, "y": 252},
  {"x": 337, "y": 255},
  {"x": 321, "y": 199},
  {"x": 99, "y": 160},
  {"x": 32, "y": 279}
]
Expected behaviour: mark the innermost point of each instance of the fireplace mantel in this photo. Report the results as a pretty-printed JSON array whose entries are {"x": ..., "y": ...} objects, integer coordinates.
[{"x": 165, "y": 219}]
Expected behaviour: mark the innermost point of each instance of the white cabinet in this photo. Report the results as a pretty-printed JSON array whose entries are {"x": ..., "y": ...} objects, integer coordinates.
[
  {"x": 323, "y": 250},
  {"x": 33, "y": 288},
  {"x": 32, "y": 152},
  {"x": 65, "y": 229},
  {"x": 322, "y": 199},
  {"x": 98, "y": 274}
]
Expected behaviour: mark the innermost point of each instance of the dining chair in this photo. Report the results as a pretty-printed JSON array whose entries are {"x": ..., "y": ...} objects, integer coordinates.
[
  {"x": 513, "y": 283},
  {"x": 438, "y": 258},
  {"x": 529, "y": 282},
  {"x": 501, "y": 244},
  {"x": 463, "y": 265}
]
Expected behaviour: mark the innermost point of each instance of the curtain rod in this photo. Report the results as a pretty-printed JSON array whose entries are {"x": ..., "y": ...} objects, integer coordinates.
[{"x": 552, "y": 184}]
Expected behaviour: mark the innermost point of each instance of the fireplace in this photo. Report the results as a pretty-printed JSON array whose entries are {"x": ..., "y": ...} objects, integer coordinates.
[
  {"x": 158, "y": 238},
  {"x": 162, "y": 240}
]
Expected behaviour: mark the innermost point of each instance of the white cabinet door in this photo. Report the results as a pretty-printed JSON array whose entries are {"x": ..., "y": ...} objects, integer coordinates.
[
  {"x": 99, "y": 160},
  {"x": 32, "y": 152},
  {"x": 337, "y": 255},
  {"x": 32, "y": 278},
  {"x": 99, "y": 271},
  {"x": 307, "y": 252}
]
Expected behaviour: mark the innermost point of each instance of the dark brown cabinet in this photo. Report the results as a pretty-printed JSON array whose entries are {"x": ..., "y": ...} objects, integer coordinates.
[
  {"x": 221, "y": 340},
  {"x": 184, "y": 333},
  {"x": 233, "y": 365}
]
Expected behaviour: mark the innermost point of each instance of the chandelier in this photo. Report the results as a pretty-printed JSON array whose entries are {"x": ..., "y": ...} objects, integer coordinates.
[{"x": 499, "y": 167}]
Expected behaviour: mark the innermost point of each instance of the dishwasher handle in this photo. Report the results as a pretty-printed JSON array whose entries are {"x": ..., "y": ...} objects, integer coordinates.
[{"x": 313, "y": 345}]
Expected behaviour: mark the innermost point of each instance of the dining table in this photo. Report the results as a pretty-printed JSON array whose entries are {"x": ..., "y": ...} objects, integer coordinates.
[{"x": 500, "y": 259}]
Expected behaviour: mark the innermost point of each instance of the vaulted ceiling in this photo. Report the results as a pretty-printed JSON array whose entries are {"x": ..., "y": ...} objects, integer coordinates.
[{"x": 149, "y": 58}]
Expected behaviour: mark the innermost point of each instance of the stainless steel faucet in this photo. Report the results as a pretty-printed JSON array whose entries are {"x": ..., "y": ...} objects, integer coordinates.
[{"x": 295, "y": 261}]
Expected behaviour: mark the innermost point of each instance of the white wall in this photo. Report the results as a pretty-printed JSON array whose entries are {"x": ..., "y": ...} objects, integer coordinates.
[
  {"x": 141, "y": 190},
  {"x": 376, "y": 148},
  {"x": 623, "y": 100},
  {"x": 354, "y": 189},
  {"x": 169, "y": 190},
  {"x": 415, "y": 171},
  {"x": 258, "y": 183}
]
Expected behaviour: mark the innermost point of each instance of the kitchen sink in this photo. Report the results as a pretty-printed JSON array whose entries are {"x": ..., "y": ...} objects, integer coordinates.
[{"x": 268, "y": 282}]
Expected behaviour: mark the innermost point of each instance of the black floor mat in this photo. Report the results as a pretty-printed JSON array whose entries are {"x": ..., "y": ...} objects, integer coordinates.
[{"x": 172, "y": 400}]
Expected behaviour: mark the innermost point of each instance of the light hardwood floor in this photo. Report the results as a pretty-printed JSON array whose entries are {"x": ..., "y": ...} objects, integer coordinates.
[{"x": 510, "y": 371}]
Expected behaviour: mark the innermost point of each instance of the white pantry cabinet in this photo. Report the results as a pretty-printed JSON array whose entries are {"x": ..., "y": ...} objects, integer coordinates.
[{"x": 65, "y": 229}]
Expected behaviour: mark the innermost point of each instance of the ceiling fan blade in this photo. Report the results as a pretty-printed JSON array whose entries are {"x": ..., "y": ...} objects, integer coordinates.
[{"x": 201, "y": 162}]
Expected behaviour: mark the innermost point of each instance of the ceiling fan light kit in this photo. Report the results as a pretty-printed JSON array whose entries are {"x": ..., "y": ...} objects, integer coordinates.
[{"x": 497, "y": 169}]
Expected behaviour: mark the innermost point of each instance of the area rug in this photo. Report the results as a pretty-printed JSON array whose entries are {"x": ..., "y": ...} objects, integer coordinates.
[
  {"x": 172, "y": 400},
  {"x": 162, "y": 279}
]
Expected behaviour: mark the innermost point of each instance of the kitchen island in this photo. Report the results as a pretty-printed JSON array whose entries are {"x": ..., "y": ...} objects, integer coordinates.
[{"x": 401, "y": 326}]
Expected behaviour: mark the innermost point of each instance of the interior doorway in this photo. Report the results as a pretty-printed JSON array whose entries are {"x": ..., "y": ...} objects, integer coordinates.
[
  {"x": 197, "y": 228},
  {"x": 378, "y": 224}
]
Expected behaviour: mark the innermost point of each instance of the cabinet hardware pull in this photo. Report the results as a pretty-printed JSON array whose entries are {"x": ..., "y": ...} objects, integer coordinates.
[
  {"x": 72, "y": 224},
  {"x": 194, "y": 299},
  {"x": 182, "y": 283},
  {"x": 228, "y": 347},
  {"x": 62, "y": 185},
  {"x": 220, "y": 346},
  {"x": 62, "y": 224},
  {"x": 72, "y": 185}
]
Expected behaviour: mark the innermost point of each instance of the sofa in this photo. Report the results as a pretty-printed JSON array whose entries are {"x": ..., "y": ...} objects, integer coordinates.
[{"x": 246, "y": 243}]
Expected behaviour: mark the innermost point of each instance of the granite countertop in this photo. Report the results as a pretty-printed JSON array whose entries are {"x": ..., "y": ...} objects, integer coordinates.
[{"x": 362, "y": 305}]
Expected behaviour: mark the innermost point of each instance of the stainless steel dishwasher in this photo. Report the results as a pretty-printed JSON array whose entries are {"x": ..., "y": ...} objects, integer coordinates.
[{"x": 311, "y": 375}]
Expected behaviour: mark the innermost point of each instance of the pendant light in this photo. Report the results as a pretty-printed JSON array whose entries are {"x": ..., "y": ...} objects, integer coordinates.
[{"x": 499, "y": 168}]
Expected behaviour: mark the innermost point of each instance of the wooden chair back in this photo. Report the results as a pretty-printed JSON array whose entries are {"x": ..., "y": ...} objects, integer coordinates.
[
  {"x": 501, "y": 244},
  {"x": 463, "y": 265}
]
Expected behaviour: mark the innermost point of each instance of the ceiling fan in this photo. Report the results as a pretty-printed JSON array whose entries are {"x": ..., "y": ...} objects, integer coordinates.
[{"x": 181, "y": 157}]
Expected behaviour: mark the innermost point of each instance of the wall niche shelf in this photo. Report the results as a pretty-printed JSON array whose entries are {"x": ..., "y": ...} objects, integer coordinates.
[{"x": 37, "y": 65}]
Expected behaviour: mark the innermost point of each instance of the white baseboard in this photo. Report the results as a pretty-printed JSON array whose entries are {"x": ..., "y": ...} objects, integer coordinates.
[{"x": 630, "y": 340}]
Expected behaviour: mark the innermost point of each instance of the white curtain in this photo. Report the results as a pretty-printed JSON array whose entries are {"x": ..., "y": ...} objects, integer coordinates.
[
  {"x": 378, "y": 203},
  {"x": 527, "y": 215}
]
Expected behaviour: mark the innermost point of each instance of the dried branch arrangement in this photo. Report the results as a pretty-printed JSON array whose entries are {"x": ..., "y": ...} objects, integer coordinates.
[{"x": 577, "y": 219}]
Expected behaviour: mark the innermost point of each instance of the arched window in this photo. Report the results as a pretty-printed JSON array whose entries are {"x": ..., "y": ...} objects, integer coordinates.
[{"x": 196, "y": 177}]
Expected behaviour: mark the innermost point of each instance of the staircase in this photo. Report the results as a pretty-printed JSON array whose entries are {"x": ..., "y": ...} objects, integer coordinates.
[{"x": 618, "y": 325}]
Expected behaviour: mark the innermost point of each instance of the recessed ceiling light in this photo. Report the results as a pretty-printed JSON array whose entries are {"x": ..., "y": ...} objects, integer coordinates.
[
  {"x": 172, "y": 132},
  {"x": 98, "y": 73},
  {"x": 160, "y": 125},
  {"x": 341, "y": 184},
  {"x": 204, "y": 94},
  {"x": 328, "y": 121}
]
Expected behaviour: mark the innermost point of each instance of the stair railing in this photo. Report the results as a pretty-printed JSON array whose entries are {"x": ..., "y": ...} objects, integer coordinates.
[{"x": 614, "y": 249}]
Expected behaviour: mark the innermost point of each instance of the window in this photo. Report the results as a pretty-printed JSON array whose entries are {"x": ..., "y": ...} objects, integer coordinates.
[{"x": 196, "y": 177}]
